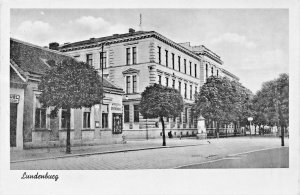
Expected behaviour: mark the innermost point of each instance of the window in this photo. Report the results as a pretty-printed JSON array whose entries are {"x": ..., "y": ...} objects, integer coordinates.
[
  {"x": 134, "y": 55},
  {"x": 167, "y": 58},
  {"x": 102, "y": 60},
  {"x": 134, "y": 86},
  {"x": 126, "y": 113},
  {"x": 136, "y": 113},
  {"x": 179, "y": 86},
  {"x": 64, "y": 119},
  {"x": 191, "y": 92},
  {"x": 167, "y": 82},
  {"x": 127, "y": 84},
  {"x": 180, "y": 119},
  {"x": 87, "y": 118},
  {"x": 191, "y": 68},
  {"x": 40, "y": 116},
  {"x": 206, "y": 71},
  {"x": 186, "y": 115},
  {"x": 104, "y": 109},
  {"x": 173, "y": 60},
  {"x": 179, "y": 66},
  {"x": 159, "y": 79},
  {"x": 217, "y": 73},
  {"x": 185, "y": 90},
  {"x": 212, "y": 71},
  {"x": 185, "y": 66},
  {"x": 89, "y": 59},
  {"x": 195, "y": 89},
  {"x": 127, "y": 56},
  {"x": 173, "y": 84},
  {"x": 159, "y": 54},
  {"x": 196, "y": 70}
]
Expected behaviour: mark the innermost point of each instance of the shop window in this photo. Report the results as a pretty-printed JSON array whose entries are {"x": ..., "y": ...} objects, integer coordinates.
[
  {"x": 126, "y": 113},
  {"x": 87, "y": 118},
  {"x": 89, "y": 59},
  {"x": 136, "y": 113},
  {"x": 40, "y": 115}
]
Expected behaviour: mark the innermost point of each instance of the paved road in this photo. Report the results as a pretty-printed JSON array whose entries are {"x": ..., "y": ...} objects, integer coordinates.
[
  {"x": 271, "y": 158},
  {"x": 166, "y": 158}
]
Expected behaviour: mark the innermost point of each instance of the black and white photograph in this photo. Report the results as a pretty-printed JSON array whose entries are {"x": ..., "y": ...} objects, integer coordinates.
[{"x": 151, "y": 95}]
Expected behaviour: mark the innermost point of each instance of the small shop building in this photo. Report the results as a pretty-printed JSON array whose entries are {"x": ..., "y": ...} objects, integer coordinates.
[{"x": 30, "y": 123}]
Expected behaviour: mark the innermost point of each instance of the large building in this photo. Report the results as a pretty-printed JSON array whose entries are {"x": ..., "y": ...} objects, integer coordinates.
[
  {"x": 30, "y": 124},
  {"x": 136, "y": 59}
]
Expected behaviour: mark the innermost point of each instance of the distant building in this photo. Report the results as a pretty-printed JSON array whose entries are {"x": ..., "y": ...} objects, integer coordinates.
[
  {"x": 135, "y": 60},
  {"x": 30, "y": 124}
]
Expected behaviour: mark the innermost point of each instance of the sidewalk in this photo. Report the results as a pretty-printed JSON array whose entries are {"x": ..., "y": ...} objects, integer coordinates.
[{"x": 51, "y": 153}]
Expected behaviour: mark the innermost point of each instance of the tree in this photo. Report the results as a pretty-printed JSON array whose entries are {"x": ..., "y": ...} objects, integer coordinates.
[
  {"x": 272, "y": 102},
  {"x": 223, "y": 101},
  {"x": 70, "y": 84},
  {"x": 216, "y": 101},
  {"x": 158, "y": 102}
]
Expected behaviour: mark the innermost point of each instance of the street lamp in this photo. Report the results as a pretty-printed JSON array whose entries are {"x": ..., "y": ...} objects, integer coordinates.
[{"x": 250, "y": 119}]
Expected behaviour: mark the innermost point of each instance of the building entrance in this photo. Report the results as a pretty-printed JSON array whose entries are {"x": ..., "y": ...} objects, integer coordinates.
[
  {"x": 13, "y": 124},
  {"x": 117, "y": 123}
]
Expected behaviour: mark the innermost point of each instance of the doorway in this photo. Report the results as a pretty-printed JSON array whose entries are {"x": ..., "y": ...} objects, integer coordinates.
[
  {"x": 13, "y": 124},
  {"x": 117, "y": 123}
]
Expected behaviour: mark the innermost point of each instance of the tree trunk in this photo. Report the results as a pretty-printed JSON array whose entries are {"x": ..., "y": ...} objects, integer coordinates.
[
  {"x": 163, "y": 131},
  {"x": 255, "y": 129},
  {"x": 68, "y": 144}
]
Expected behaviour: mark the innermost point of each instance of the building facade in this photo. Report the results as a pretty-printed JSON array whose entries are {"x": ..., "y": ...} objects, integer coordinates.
[
  {"x": 135, "y": 60},
  {"x": 30, "y": 124}
]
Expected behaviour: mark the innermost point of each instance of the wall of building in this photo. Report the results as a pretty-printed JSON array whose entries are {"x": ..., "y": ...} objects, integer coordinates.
[{"x": 20, "y": 109}]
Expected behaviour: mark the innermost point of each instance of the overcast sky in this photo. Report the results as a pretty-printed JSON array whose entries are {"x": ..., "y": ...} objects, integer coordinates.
[{"x": 253, "y": 43}]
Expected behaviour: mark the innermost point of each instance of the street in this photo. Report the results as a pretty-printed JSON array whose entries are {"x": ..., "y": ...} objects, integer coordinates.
[{"x": 265, "y": 156}]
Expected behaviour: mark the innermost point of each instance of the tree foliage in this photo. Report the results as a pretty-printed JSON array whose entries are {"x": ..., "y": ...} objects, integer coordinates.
[
  {"x": 223, "y": 101},
  {"x": 271, "y": 102},
  {"x": 70, "y": 84},
  {"x": 159, "y": 101}
]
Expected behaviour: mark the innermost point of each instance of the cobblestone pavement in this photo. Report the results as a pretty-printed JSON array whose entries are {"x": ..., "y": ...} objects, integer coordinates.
[{"x": 165, "y": 158}]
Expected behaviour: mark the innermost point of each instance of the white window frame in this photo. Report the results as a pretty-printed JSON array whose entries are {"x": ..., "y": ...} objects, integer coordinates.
[{"x": 47, "y": 126}]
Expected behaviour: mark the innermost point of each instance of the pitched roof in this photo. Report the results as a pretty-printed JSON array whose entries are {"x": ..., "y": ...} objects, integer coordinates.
[
  {"x": 31, "y": 58},
  {"x": 26, "y": 57}
]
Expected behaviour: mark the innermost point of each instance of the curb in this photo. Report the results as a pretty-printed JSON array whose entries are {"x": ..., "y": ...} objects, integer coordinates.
[{"x": 105, "y": 152}]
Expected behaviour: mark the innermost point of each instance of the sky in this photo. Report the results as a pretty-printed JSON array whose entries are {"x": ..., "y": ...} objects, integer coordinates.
[{"x": 252, "y": 43}]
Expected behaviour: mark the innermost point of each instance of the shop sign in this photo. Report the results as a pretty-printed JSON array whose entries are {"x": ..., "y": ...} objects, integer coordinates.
[
  {"x": 116, "y": 106},
  {"x": 14, "y": 98}
]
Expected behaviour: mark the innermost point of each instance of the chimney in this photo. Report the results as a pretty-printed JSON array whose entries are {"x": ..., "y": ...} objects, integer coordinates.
[
  {"x": 53, "y": 46},
  {"x": 131, "y": 30}
]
